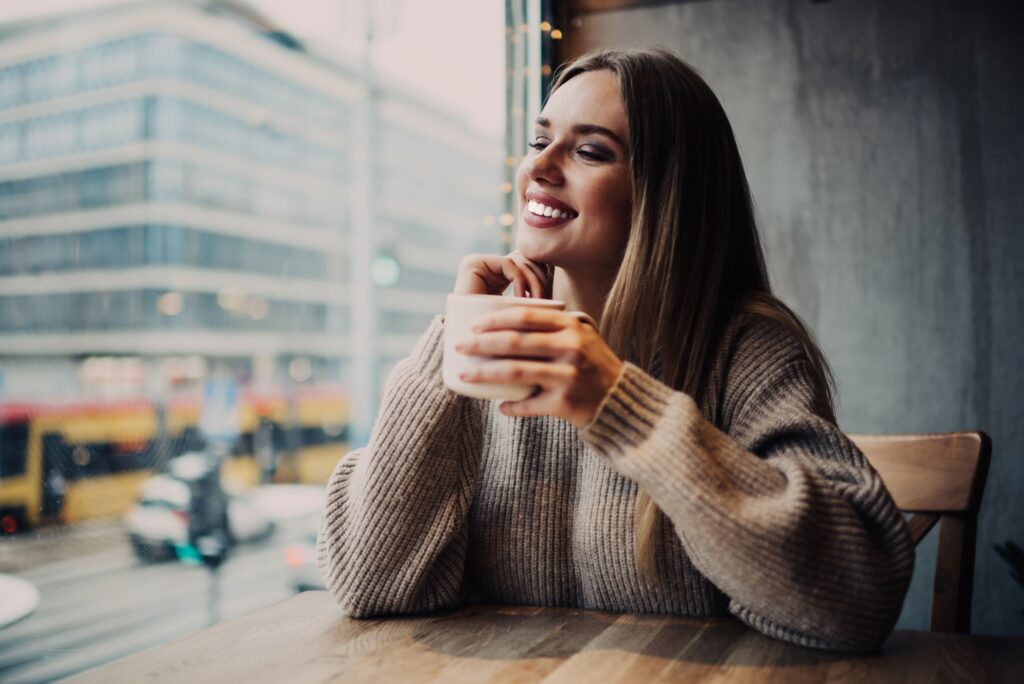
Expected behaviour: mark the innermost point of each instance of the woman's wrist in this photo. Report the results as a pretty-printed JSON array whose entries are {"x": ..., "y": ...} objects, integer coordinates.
[{"x": 614, "y": 377}]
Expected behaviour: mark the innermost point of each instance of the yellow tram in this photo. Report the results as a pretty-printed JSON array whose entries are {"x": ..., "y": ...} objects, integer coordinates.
[{"x": 71, "y": 462}]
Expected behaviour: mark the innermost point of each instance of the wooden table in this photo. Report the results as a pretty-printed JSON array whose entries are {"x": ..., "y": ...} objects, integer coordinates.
[{"x": 305, "y": 639}]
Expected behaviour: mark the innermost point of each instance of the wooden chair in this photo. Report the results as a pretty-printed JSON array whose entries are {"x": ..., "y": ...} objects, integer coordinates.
[{"x": 938, "y": 478}]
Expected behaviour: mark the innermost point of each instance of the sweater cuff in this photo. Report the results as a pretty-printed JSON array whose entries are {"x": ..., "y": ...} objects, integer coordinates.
[
  {"x": 427, "y": 355},
  {"x": 628, "y": 414}
]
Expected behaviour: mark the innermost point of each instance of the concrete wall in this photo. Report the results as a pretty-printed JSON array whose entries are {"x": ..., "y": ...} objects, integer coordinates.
[{"x": 884, "y": 143}]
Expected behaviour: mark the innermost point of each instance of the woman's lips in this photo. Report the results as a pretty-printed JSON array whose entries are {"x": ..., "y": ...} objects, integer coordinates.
[
  {"x": 536, "y": 221},
  {"x": 543, "y": 211}
]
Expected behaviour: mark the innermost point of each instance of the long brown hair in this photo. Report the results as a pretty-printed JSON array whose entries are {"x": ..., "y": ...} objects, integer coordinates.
[{"x": 693, "y": 258}]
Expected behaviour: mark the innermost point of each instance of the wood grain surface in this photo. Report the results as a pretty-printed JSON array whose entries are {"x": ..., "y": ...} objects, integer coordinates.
[
  {"x": 306, "y": 639},
  {"x": 940, "y": 477},
  {"x": 933, "y": 473}
]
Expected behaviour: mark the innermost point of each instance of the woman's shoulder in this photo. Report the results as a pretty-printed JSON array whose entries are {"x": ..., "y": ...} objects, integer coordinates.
[
  {"x": 753, "y": 340},
  {"x": 763, "y": 353}
]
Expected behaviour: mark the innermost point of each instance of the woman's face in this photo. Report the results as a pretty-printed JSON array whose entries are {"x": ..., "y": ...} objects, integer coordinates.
[{"x": 574, "y": 184}]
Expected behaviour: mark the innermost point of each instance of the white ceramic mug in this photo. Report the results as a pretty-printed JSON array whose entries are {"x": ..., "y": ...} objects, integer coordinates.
[{"x": 462, "y": 311}]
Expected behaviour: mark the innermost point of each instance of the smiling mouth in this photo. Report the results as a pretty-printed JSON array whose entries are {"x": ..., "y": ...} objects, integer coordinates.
[{"x": 540, "y": 209}]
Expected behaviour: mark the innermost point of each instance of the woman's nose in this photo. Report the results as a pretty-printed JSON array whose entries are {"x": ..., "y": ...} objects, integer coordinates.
[{"x": 544, "y": 166}]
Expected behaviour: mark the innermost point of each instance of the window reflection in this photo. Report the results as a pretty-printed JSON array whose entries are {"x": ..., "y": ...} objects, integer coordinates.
[{"x": 179, "y": 194}]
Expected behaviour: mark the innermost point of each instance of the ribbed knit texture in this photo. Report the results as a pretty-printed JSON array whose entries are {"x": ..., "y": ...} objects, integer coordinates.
[{"x": 775, "y": 516}]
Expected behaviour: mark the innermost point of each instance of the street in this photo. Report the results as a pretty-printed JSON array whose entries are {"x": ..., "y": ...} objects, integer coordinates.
[{"x": 99, "y": 603}]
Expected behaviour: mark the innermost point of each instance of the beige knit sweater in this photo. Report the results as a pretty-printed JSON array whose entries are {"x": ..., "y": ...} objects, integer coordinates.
[{"x": 775, "y": 515}]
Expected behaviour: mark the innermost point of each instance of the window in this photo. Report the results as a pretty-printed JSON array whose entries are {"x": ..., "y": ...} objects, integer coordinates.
[
  {"x": 13, "y": 440},
  {"x": 185, "y": 205}
]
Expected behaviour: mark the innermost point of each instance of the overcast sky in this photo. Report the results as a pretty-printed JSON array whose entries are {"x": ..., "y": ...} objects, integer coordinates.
[{"x": 452, "y": 49}]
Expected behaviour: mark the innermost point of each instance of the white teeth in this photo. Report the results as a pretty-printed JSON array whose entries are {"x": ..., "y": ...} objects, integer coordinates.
[{"x": 535, "y": 207}]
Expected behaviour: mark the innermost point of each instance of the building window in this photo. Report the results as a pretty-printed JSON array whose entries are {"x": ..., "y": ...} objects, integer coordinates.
[{"x": 188, "y": 203}]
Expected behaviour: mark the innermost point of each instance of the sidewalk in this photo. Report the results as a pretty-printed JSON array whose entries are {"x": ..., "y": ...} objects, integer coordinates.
[{"x": 45, "y": 545}]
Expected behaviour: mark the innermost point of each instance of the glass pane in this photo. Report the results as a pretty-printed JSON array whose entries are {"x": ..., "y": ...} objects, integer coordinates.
[{"x": 219, "y": 229}]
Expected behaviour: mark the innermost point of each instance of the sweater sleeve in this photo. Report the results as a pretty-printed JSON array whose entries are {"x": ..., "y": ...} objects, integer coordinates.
[
  {"x": 780, "y": 511},
  {"x": 394, "y": 532}
]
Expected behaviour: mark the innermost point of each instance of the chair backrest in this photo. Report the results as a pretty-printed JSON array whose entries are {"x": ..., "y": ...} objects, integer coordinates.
[{"x": 939, "y": 478}]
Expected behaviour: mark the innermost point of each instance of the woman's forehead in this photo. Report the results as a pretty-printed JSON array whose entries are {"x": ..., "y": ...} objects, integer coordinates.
[{"x": 592, "y": 97}]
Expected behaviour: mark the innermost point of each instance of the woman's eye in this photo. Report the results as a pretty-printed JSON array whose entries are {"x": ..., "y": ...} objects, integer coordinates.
[
  {"x": 592, "y": 155},
  {"x": 588, "y": 153}
]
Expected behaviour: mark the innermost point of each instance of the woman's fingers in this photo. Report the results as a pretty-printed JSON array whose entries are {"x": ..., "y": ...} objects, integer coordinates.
[
  {"x": 540, "y": 345},
  {"x": 542, "y": 405},
  {"x": 519, "y": 285},
  {"x": 492, "y": 274},
  {"x": 519, "y": 372},
  {"x": 525, "y": 318},
  {"x": 542, "y": 278},
  {"x": 514, "y": 268},
  {"x": 524, "y": 280},
  {"x": 480, "y": 274},
  {"x": 535, "y": 274}
]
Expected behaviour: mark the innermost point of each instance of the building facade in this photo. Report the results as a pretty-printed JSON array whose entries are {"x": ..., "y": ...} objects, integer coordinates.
[{"x": 178, "y": 191}]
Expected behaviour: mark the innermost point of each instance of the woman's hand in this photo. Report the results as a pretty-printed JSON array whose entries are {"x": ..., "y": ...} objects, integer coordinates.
[
  {"x": 492, "y": 274},
  {"x": 565, "y": 358}
]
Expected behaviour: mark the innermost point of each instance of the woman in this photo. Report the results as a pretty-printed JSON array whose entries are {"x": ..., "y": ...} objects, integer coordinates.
[{"x": 682, "y": 457}]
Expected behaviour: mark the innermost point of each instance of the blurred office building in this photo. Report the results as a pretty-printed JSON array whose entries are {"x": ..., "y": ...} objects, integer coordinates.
[{"x": 185, "y": 188}]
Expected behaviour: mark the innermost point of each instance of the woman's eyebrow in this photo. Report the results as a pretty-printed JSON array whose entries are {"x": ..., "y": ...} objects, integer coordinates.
[{"x": 584, "y": 129}]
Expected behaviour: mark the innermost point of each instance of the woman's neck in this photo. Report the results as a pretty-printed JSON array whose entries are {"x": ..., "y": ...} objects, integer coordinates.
[{"x": 581, "y": 292}]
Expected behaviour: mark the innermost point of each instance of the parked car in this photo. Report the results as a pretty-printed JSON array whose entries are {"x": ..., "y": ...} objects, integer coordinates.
[
  {"x": 303, "y": 574},
  {"x": 298, "y": 508},
  {"x": 18, "y": 599},
  {"x": 160, "y": 519}
]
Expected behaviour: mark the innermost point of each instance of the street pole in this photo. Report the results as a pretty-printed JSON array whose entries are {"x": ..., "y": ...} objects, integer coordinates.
[
  {"x": 213, "y": 596},
  {"x": 362, "y": 248},
  {"x": 213, "y": 546}
]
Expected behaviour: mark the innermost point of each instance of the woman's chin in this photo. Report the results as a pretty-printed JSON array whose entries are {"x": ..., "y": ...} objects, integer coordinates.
[{"x": 536, "y": 248}]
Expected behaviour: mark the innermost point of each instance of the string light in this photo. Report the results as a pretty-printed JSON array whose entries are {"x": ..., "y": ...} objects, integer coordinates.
[
  {"x": 506, "y": 187},
  {"x": 556, "y": 34},
  {"x": 232, "y": 299},
  {"x": 385, "y": 271},
  {"x": 507, "y": 219},
  {"x": 170, "y": 303},
  {"x": 546, "y": 70},
  {"x": 300, "y": 369},
  {"x": 545, "y": 26},
  {"x": 258, "y": 308}
]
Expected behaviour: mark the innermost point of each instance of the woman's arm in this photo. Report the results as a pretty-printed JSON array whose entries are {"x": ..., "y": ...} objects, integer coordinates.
[
  {"x": 394, "y": 530},
  {"x": 780, "y": 511}
]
